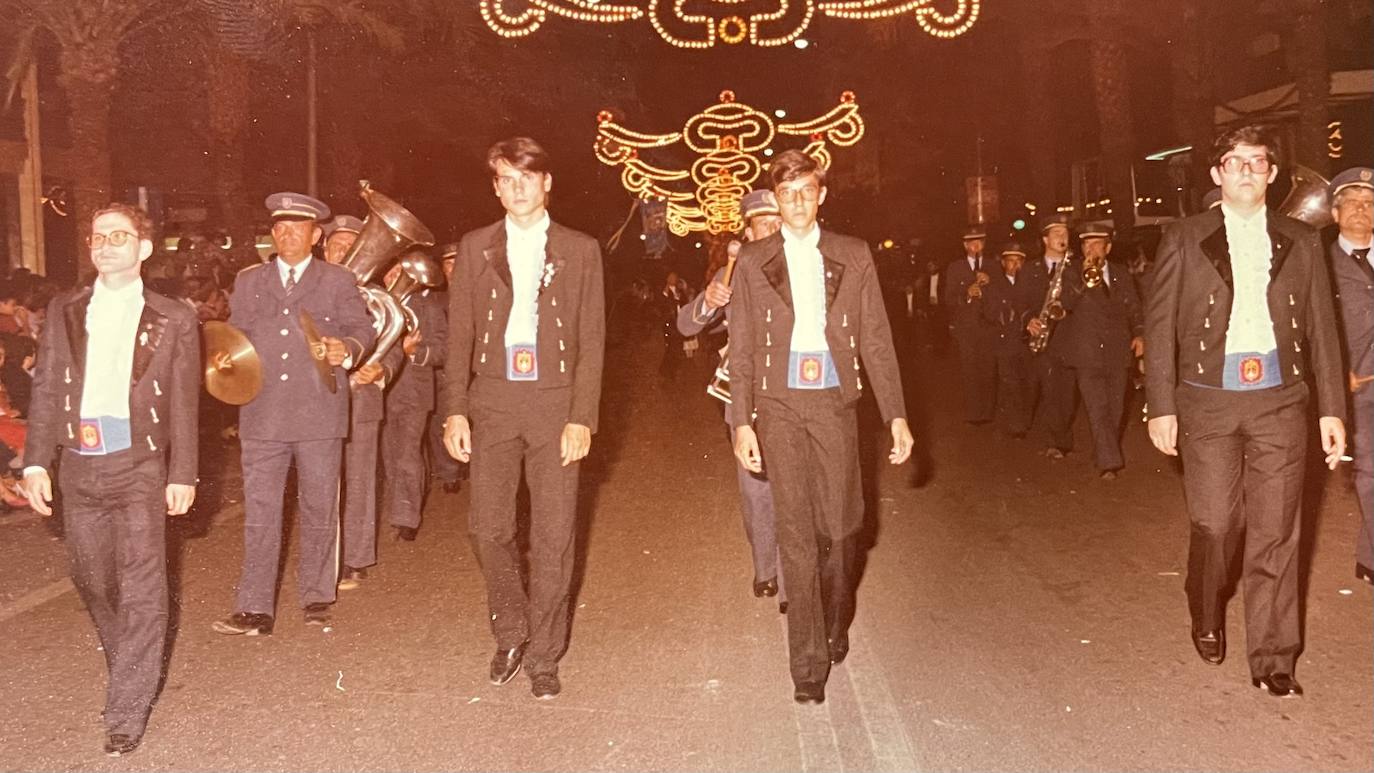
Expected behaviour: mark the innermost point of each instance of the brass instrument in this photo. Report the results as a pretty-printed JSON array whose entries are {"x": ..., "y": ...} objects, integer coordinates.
[
  {"x": 1052, "y": 310},
  {"x": 318, "y": 352},
  {"x": 389, "y": 230},
  {"x": 1310, "y": 200},
  {"x": 719, "y": 387},
  {"x": 1092, "y": 273},
  {"x": 980, "y": 280},
  {"x": 418, "y": 272}
]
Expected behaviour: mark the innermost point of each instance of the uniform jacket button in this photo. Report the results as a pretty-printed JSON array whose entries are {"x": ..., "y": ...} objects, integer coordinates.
[{"x": 285, "y": 376}]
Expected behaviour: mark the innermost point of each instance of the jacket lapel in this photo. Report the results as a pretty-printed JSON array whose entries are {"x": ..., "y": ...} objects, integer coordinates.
[
  {"x": 495, "y": 253},
  {"x": 834, "y": 268},
  {"x": 74, "y": 315},
  {"x": 1281, "y": 245},
  {"x": 553, "y": 265},
  {"x": 152, "y": 325},
  {"x": 1216, "y": 249},
  {"x": 775, "y": 271},
  {"x": 306, "y": 280}
]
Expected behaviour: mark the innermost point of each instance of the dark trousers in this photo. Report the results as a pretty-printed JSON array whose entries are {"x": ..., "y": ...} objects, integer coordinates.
[
  {"x": 443, "y": 466},
  {"x": 1243, "y": 466},
  {"x": 512, "y": 423},
  {"x": 810, "y": 449},
  {"x": 403, "y": 459},
  {"x": 978, "y": 373},
  {"x": 265, "y": 464},
  {"x": 360, "y": 495},
  {"x": 1052, "y": 392},
  {"x": 1363, "y": 441},
  {"x": 1104, "y": 400},
  {"x": 1014, "y": 390},
  {"x": 115, "y": 511}
]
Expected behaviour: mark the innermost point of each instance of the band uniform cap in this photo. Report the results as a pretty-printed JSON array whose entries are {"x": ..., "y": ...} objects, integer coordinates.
[
  {"x": 759, "y": 202},
  {"x": 1013, "y": 248},
  {"x": 448, "y": 251},
  {"x": 975, "y": 231},
  {"x": 1211, "y": 198},
  {"x": 1050, "y": 221},
  {"x": 1095, "y": 230},
  {"x": 1354, "y": 177},
  {"x": 343, "y": 223},
  {"x": 287, "y": 204}
]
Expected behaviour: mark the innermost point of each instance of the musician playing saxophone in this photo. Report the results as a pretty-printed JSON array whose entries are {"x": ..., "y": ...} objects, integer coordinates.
[
  {"x": 709, "y": 310},
  {"x": 1052, "y": 383}
]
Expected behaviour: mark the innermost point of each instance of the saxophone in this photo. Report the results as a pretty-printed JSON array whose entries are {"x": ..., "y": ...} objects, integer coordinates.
[{"x": 1052, "y": 310}]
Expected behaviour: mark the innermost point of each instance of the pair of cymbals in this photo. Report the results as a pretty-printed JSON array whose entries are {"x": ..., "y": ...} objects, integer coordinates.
[{"x": 233, "y": 369}]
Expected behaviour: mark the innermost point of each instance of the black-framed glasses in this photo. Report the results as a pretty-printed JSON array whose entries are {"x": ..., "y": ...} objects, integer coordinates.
[
  {"x": 115, "y": 239},
  {"x": 1235, "y": 164}
]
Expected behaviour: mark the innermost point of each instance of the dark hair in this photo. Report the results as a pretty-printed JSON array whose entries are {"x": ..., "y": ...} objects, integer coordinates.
[
  {"x": 792, "y": 165},
  {"x": 522, "y": 153},
  {"x": 143, "y": 225},
  {"x": 1258, "y": 135}
]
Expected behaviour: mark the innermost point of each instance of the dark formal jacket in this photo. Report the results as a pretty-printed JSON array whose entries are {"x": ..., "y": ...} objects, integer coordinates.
[
  {"x": 414, "y": 387},
  {"x": 572, "y": 318},
  {"x": 1190, "y": 308},
  {"x": 294, "y": 403},
  {"x": 965, "y": 314},
  {"x": 1354, "y": 280},
  {"x": 856, "y": 327},
  {"x": 1008, "y": 308},
  {"x": 693, "y": 319},
  {"x": 164, "y": 389},
  {"x": 1101, "y": 321}
]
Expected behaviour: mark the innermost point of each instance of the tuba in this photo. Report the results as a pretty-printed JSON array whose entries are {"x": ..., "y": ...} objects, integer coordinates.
[
  {"x": 1309, "y": 201},
  {"x": 388, "y": 231},
  {"x": 418, "y": 272}
]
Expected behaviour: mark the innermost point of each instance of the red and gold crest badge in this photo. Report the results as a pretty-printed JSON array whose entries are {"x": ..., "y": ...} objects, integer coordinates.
[
  {"x": 1251, "y": 370},
  {"x": 524, "y": 361}
]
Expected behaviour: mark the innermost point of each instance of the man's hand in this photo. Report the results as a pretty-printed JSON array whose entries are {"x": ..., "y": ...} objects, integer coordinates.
[
  {"x": 1035, "y": 326},
  {"x": 38, "y": 488},
  {"x": 180, "y": 497},
  {"x": 747, "y": 449},
  {"x": 901, "y": 442},
  {"x": 975, "y": 291},
  {"x": 1138, "y": 346},
  {"x": 368, "y": 374},
  {"x": 458, "y": 438},
  {"x": 334, "y": 350},
  {"x": 1358, "y": 382},
  {"x": 411, "y": 342},
  {"x": 717, "y": 295},
  {"x": 1164, "y": 434},
  {"x": 1333, "y": 439},
  {"x": 575, "y": 442}
]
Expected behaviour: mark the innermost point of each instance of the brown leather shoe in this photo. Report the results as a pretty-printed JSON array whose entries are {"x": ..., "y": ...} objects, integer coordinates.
[{"x": 1278, "y": 685}]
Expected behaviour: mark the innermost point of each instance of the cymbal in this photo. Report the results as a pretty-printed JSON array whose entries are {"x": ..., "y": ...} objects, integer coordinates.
[
  {"x": 317, "y": 352},
  {"x": 233, "y": 371}
]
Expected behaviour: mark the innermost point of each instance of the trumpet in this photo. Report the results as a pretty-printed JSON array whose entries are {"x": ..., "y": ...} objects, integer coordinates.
[
  {"x": 1092, "y": 273},
  {"x": 975, "y": 290}
]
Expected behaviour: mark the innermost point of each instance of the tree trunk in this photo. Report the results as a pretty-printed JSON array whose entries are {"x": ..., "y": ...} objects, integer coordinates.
[
  {"x": 1312, "y": 75},
  {"x": 230, "y": 91},
  {"x": 1111, "y": 94},
  {"x": 87, "y": 76},
  {"x": 1190, "y": 68}
]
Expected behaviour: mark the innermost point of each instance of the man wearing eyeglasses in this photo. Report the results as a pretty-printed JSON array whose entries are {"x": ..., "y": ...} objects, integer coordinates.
[
  {"x": 115, "y": 397},
  {"x": 808, "y": 315},
  {"x": 1239, "y": 320},
  {"x": 296, "y": 420},
  {"x": 527, "y": 333}
]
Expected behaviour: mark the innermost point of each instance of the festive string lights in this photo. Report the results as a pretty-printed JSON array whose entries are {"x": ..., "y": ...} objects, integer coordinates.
[
  {"x": 720, "y": 20},
  {"x": 727, "y": 139}
]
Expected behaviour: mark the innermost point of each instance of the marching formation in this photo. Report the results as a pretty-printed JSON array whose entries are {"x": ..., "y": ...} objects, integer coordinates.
[{"x": 486, "y": 365}]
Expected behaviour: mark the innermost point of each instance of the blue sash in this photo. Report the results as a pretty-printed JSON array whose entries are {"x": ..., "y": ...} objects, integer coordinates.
[
  {"x": 811, "y": 370},
  {"x": 104, "y": 435},
  {"x": 1251, "y": 370},
  {"x": 522, "y": 362}
]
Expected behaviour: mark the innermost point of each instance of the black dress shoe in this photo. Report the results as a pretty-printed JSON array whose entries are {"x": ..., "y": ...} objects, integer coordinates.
[
  {"x": 768, "y": 587},
  {"x": 1278, "y": 685},
  {"x": 545, "y": 687},
  {"x": 1364, "y": 573},
  {"x": 317, "y": 613},
  {"x": 406, "y": 533},
  {"x": 782, "y": 607},
  {"x": 810, "y": 693},
  {"x": 1211, "y": 645},
  {"x": 119, "y": 744},
  {"x": 244, "y": 624},
  {"x": 839, "y": 650},
  {"x": 505, "y": 664}
]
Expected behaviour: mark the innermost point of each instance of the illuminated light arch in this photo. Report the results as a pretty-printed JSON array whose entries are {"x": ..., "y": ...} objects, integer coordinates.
[
  {"x": 727, "y": 140},
  {"x": 784, "y": 24}
]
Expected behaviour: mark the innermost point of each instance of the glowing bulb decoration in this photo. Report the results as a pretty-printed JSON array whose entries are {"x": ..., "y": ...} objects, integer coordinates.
[
  {"x": 720, "y": 21},
  {"x": 727, "y": 139}
]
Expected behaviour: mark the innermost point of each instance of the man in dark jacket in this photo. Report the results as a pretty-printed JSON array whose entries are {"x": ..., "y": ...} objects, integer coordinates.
[
  {"x": 964, "y": 281},
  {"x": 1008, "y": 303}
]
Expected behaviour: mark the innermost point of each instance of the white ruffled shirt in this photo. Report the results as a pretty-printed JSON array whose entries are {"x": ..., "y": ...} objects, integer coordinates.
[
  {"x": 806, "y": 275},
  {"x": 111, "y": 324},
  {"x": 1251, "y": 328}
]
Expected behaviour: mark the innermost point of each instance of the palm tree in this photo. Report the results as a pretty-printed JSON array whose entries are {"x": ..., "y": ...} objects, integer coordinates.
[
  {"x": 1312, "y": 76},
  {"x": 1107, "y": 58}
]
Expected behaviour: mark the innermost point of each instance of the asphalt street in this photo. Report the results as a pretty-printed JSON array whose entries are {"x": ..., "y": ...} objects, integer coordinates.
[{"x": 1014, "y": 613}]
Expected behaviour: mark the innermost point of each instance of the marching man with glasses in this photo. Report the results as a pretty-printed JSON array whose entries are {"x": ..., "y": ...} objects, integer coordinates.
[
  {"x": 1239, "y": 321},
  {"x": 115, "y": 397}
]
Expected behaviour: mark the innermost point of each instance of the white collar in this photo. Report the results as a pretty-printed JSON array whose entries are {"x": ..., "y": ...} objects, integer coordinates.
[
  {"x": 102, "y": 293},
  {"x": 1258, "y": 220},
  {"x": 539, "y": 230},
  {"x": 283, "y": 268},
  {"x": 1350, "y": 246},
  {"x": 811, "y": 238}
]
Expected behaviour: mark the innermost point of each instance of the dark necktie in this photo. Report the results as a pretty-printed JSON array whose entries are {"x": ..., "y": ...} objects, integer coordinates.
[
  {"x": 1362, "y": 254},
  {"x": 290, "y": 279}
]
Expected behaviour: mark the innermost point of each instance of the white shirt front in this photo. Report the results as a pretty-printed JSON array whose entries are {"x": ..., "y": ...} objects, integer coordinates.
[
  {"x": 806, "y": 275},
  {"x": 525, "y": 250},
  {"x": 1250, "y": 328},
  {"x": 284, "y": 270},
  {"x": 111, "y": 324}
]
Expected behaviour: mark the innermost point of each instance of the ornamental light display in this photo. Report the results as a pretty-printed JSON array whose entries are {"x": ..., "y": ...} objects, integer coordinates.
[
  {"x": 701, "y": 24},
  {"x": 727, "y": 140}
]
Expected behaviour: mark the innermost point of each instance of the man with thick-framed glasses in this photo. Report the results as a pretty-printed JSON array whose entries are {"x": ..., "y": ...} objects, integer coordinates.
[
  {"x": 808, "y": 312},
  {"x": 115, "y": 398},
  {"x": 1239, "y": 320}
]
